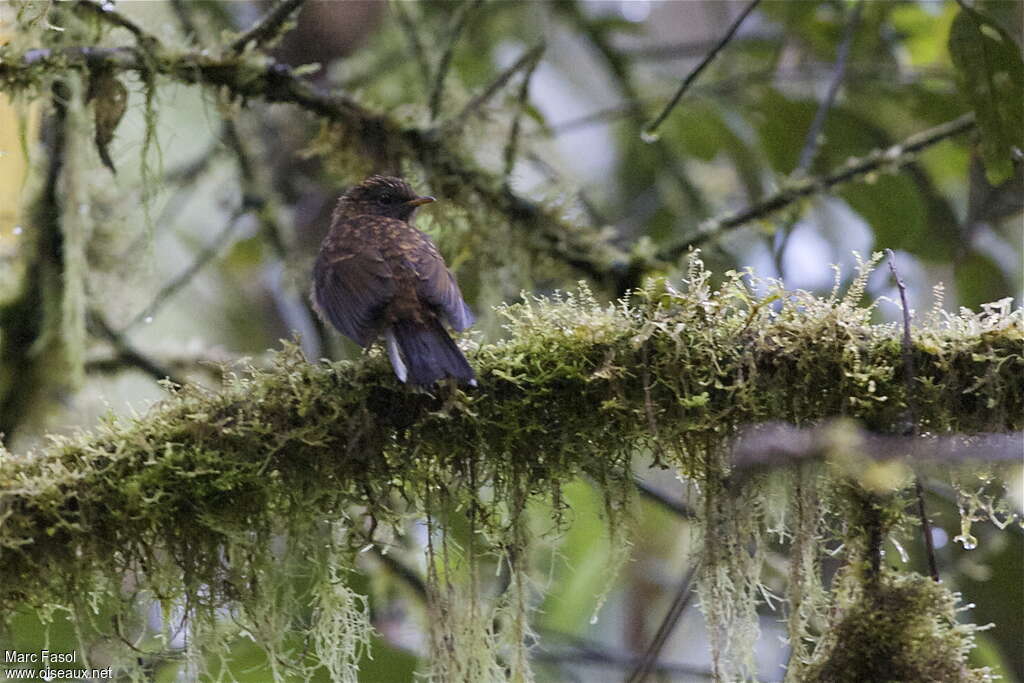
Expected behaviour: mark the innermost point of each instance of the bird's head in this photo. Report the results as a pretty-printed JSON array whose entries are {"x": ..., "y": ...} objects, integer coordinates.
[{"x": 381, "y": 196}]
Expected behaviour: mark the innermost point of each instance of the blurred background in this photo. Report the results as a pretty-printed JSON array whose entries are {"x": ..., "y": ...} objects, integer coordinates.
[{"x": 200, "y": 248}]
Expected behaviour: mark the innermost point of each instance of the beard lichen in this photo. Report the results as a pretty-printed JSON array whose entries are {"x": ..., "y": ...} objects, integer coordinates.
[{"x": 241, "y": 512}]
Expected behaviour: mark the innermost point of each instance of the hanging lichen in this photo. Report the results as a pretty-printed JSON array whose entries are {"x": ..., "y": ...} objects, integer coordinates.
[{"x": 214, "y": 502}]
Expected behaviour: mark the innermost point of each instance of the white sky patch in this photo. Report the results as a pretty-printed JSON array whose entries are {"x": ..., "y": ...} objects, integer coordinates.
[{"x": 635, "y": 11}]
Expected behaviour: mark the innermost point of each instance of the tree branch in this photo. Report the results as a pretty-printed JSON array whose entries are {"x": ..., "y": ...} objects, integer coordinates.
[
  {"x": 909, "y": 379},
  {"x": 128, "y": 354},
  {"x": 458, "y": 23},
  {"x": 298, "y": 432},
  {"x": 812, "y": 141},
  {"x": 891, "y": 158},
  {"x": 775, "y": 445},
  {"x": 170, "y": 289},
  {"x": 268, "y": 27},
  {"x": 652, "y": 127},
  {"x": 590, "y": 252}
]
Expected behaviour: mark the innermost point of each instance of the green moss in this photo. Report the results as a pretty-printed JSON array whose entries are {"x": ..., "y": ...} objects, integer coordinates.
[
  {"x": 905, "y": 629},
  {"x": 216, "y": 500}
]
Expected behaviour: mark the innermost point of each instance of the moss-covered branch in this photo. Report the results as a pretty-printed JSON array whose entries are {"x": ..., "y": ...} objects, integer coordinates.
[
  {"x": 577, "y": 388},
  {"x": 376, "y": 136}
]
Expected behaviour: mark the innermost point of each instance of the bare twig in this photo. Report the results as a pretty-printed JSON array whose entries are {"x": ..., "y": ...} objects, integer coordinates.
[
  {"x": 512, "y": 146},
  {"x": 909, "y": 378},
  {"x": 127, "y": 353},
  {"x": 549, "y": 171},
  {"x": 268, "y": 27},
  {"x": 107, "y": 13},
  {"x": 458, "y": 23},
  {"x": 183, "y": 14},
  {"x": 582, "y": 652},
  {"x": 205, "y": 256},
  {"x": 257, "y": 191},
  {"x": 412, "y": 35},
  {"x": 652, "y": 127},
  {"x": 812, "y": 141},
  {"x": 688, "y": 50},
  {"x": 618, "y": 66},
  {"x": 675, "y": 611},
  {"x": 893, "y": 157},
  {"x": 528, "y": 62},
  {"x": 655, "y": 496},
  {"x": 773, "y": 445},
  {"x": 209, "y": 362}
]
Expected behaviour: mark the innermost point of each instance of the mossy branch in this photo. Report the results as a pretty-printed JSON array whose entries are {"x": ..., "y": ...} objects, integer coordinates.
[
  {"x": 382, "y": 137},
  {"x": 306, "y": 439}
]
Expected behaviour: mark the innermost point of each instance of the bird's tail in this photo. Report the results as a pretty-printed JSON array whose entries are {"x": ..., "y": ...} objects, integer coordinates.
[{"x": 422, "y": 354}]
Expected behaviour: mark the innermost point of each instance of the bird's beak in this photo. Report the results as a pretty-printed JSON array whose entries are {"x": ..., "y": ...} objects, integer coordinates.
[{"x": 419, "y": 201}]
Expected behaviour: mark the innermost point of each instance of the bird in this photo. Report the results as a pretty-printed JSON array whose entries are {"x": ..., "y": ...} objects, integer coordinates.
[{"x": 378, "y": 276}]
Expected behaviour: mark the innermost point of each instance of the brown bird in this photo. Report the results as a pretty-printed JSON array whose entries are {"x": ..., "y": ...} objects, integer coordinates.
[{"x": 377, "y": 275}]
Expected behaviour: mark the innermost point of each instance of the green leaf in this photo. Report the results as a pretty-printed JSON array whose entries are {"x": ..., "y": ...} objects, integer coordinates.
[{"x": 991, "y": 76}]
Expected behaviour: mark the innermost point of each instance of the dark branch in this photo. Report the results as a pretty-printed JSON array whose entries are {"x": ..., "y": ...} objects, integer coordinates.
[
  {"x": 268, "y": 28},
  {"x": 812, "y": 141},
  {"x": 185, "y": 277},
  {"x": 892, "y": 158},
  {"x": 128, "y": 354},
  {"x": 909, "y": 380},
  {"x": 412, "y": 35},
  {"x": 455, "y": 29},
  {"x": 674, "y": 506},
  {"x": 775, "y": 444},
  {"x": 528, "y": 61},
  {"x": 679, "y": 604},
  {"x": 650, "y": 128}
]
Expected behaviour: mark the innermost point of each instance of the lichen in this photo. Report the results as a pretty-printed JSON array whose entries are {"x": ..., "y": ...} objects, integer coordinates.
[{"x": 213, "y": 502}]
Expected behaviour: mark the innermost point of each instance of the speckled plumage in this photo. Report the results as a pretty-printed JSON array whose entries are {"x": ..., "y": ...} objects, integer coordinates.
[{"x": 376, "y": 275}]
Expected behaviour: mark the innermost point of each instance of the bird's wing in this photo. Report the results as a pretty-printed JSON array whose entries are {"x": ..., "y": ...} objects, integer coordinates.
[
  {"x": 436, "y": 284},
  {"x": 351, "y": 285}
]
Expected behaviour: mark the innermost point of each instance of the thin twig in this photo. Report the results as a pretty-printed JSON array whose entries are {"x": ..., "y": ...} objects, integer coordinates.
[
  {"x": 522, "y": 98},
  {"x": 457, "y": 25},
  {"x": 412, "y": 35},
  {"x": 189, "y": 29},
  {"x": 679, "y": 604},
  {"x": 689, "y": 50},
  {"x": 596, "y": 217},
  {"x": 773, "y": 445},
  {"x": 812, "y": 141},
  {"x": 527, "y": 61},
  {"x": 258, "y": 190},
  {"x": 650, "y": 128},
  {"x": 909, "y": 379},
  {"x": 619, "y": 68},
  {"x": 583, "y": 651},
  {"x": 107, "y": 13},
  {"x": 127, "y": 353},
  {"x": 268, "y": 27},
  {"x": 893, "y": 157},
  {"x": 675, "y": 507},
  {"x": 204, "y": 257}
]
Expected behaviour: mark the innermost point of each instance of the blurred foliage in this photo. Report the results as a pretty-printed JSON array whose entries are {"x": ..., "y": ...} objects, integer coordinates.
[{"x": 198, "y": 251}]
